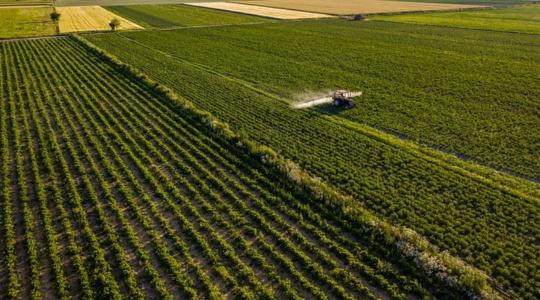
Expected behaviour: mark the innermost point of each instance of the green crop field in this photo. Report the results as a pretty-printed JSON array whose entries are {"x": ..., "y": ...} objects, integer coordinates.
[
  {"x": 18, "y": 22},
  {"x": 462, "y": 75},
  {"x": 180, "y": 15},
  {"x": 180, "y": 161},
  {"x": 111, "y": 190},
  {"x": 524, "y": 19},
  {"x": 464, "y": 91},
  {"x": 479, "y": 2}
]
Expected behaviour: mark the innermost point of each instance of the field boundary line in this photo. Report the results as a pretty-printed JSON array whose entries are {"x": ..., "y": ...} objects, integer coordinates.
[
  {"x": 499, "y": 180},
  {"x": 445, "y": 268}
]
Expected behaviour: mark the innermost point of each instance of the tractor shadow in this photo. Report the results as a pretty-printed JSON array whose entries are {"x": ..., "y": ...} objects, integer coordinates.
[{"x": 329, "y": 109}]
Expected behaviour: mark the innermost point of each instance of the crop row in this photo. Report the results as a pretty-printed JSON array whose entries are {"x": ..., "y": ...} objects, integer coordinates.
[
  {"x": 136, "y": 200},
  {"x": 480, "y": 223}
]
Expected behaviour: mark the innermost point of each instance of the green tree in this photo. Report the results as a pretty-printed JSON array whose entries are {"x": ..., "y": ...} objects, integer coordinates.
[
  {"x": 55, "y": 16},
  {"x": 115, "y": 23}
]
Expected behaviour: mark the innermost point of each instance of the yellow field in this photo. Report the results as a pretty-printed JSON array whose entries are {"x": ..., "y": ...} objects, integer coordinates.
[
  {"x": 276, "y": 13},
  {"x": 349, "y": 7},
  {"x": 89, "y": 18}
]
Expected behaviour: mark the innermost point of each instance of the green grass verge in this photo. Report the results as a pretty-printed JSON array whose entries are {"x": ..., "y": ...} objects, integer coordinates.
[
  {"x": 21, "y": 22},
  {"x": 179, "y": 15},
  {"x": 525, "y": 19},
  {"x": 429, "y": 82}
]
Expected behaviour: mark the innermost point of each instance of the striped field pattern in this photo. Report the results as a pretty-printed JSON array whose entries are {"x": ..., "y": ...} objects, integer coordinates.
[{"x": 108, "y": 190}]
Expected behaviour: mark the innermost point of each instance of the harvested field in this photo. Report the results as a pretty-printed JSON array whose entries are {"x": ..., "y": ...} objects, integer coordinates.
[
  {"x": 275, "y": 13},
  {"x": 356, "y": 6},
  {"x": 89, "y": 18}
]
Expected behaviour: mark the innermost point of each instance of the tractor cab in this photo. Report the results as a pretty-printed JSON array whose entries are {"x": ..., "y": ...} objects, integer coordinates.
[{"x": 343, "y": 98}]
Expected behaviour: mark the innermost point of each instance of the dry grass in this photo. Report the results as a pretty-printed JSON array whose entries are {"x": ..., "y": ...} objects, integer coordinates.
[
  {"x": 89, "y": 18},
  {"x": 25, "y": 21},
  {"x": 18, "y": 3},
  {"x": 349, "y": 7},
  {"x": 276, "y": 13}
]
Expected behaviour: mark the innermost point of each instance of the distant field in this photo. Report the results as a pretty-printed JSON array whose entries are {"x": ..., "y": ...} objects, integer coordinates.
[
  {"x": 24, "y": 2},
  {"x": 179, "y": 15},
  {"x": 263, "y": 11},
  {"x": 18, "y": 22},
  {"x": 121, "y": 2},
  {"x": 89, "y": 18},
  {"x": 524, "y": 19},
  {"x": 476, "y": 2},
  {"x": 469, "y": 92},
  {"x": 354, "y": 6}
]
